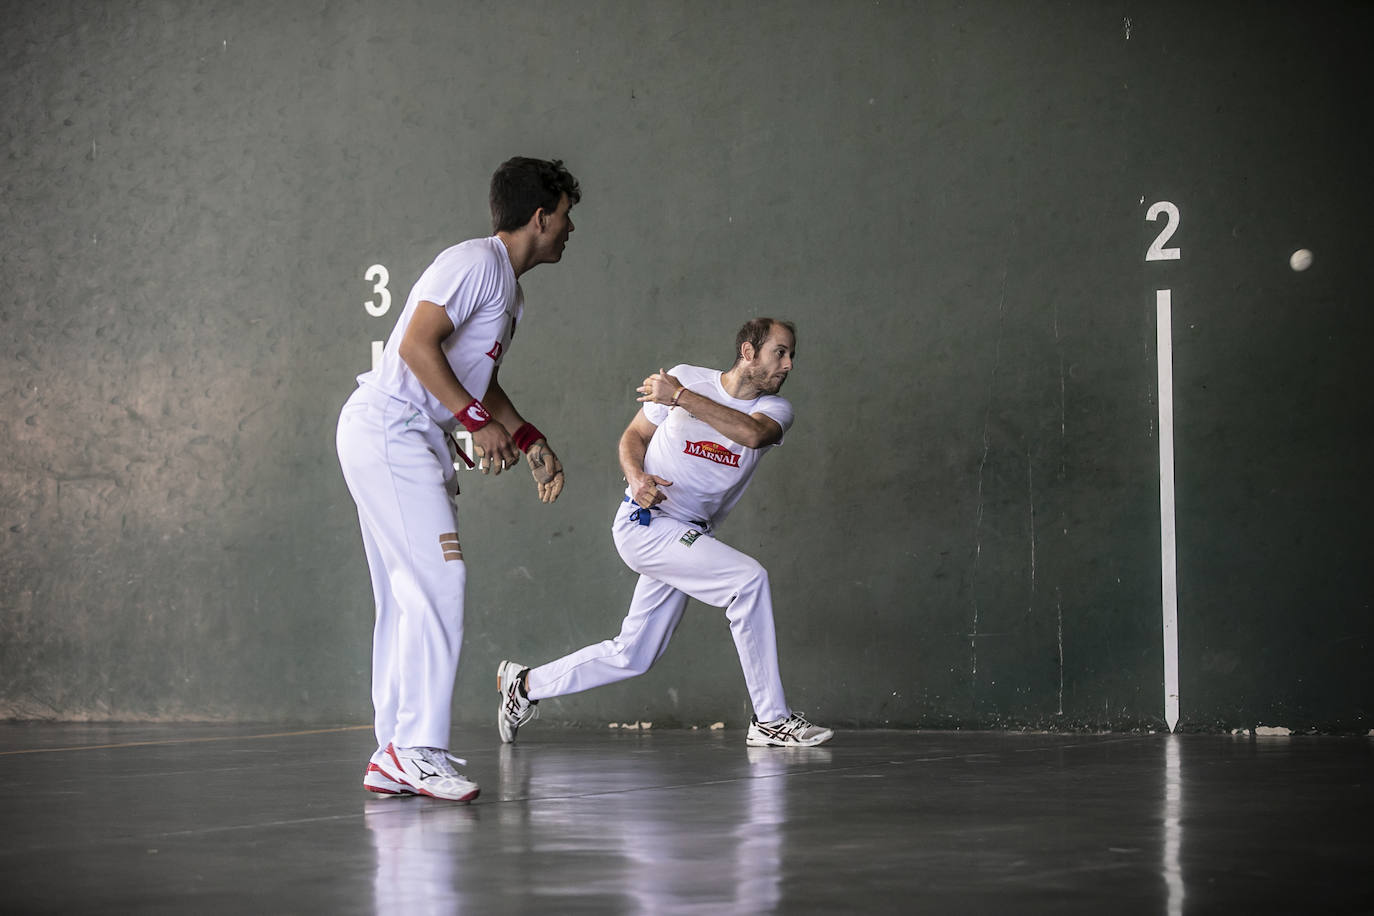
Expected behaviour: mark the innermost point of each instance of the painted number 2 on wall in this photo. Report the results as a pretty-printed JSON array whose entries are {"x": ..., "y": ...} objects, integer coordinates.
[{"x": 1157, "y": 251}]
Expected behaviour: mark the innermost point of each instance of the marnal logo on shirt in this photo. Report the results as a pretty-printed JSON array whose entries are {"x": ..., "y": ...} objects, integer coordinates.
[
  {"x": 712, "y": 451},
  {"x": 495, "y": 351}
]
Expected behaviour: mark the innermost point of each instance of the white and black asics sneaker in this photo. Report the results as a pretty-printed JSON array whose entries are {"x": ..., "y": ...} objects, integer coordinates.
[
  {"x": 792, "y": 731},
  {"x": 428, "y": 771},
  {"x": 516, "y": 709}
]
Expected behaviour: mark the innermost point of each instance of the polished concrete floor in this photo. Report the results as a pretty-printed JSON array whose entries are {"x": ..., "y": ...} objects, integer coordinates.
[{"x": 232, "y": 819}]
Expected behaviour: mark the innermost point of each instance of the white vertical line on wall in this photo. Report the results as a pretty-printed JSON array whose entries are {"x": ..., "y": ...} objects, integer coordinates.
[{"x": 1168, "y": 530}]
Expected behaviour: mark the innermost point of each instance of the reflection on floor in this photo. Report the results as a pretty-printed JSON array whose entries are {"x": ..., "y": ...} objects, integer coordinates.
[{"x": 230, "y": 819}]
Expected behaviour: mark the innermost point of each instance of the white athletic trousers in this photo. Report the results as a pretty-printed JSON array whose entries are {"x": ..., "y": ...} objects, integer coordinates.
[
  {"x": 675, "y": 561},
  {"x": 397, "y": 464}
]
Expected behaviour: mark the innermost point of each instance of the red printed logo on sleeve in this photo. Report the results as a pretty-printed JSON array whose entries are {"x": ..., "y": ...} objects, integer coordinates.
[{"x": 712, "y": 451}]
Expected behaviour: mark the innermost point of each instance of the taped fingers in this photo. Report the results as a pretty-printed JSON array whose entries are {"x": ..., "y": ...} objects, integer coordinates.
[
  {"x": 490, "y": 464},
  {"x": 547, "y": 471},
  {"x": 549, "y": 491}
]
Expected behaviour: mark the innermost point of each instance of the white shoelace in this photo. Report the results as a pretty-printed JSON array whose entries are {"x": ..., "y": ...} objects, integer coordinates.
[{"x": 439, "y": 759}]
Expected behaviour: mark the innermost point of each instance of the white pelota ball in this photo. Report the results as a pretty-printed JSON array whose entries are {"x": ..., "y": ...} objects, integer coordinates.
[{"x": 1300, "y": 259}]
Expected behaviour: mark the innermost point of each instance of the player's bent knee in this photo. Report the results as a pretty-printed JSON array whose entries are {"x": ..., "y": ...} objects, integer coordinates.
[
  {"x": 751, "y": 581},
  {"x": 755, "y": 578},
  {"x": 622, "y": 658}
]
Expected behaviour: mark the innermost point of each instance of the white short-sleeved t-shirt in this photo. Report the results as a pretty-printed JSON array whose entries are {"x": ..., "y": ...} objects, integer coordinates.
[
  {"x": 476, "y": 285},
  {"x": 709, "y": 470}
]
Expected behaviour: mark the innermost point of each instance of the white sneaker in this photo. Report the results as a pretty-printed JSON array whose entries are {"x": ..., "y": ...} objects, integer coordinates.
[
  {"x": 428, "y": 771},
  {"x": 516, "y": 709},
  {"x": 793, "y": 731},
  {"x": 374, "y": 780}
]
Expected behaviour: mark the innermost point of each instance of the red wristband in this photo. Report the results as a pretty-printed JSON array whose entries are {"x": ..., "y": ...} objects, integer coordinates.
[
  {"x": 526, "y": 436},
  {"x": 474, "y": 416}
]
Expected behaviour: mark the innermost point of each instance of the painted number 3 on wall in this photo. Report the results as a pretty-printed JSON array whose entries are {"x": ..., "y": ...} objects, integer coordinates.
[
  {"x": 382, "y": 304},
  {"x": 1157, "y": 250}
]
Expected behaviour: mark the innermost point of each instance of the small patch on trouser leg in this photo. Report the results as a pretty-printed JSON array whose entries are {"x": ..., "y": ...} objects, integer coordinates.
[{"x": 448, "y": 543}]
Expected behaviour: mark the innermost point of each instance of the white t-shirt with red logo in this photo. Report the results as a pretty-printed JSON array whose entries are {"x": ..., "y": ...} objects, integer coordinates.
[
  {"x": 476, "y": 285},
  {"x": 709, "y": 470}
]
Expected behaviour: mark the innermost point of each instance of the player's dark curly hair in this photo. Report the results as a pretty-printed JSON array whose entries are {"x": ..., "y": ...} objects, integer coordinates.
[
  {"x": 756, "y": 331},
  {"x": 522, "y": 185}
]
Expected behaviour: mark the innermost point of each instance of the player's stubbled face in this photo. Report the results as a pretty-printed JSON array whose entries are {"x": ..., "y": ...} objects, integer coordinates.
[{"x": 770, "y": 365}]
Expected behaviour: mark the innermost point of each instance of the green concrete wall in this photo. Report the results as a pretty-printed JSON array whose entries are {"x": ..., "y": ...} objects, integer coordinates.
[{"x": 950, "y": 200}]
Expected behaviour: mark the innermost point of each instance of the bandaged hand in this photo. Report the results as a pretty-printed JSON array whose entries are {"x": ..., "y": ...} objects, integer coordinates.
[
  {"x": 493, "y": 449},
  {"x": 493, "y": 461},
  {"x": 547, "y": 471}
]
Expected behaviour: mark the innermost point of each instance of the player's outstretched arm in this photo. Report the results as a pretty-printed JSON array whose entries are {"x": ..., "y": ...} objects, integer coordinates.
[
  {"x": 545, "y": 467},
  {"x": 751, "y": 430}
]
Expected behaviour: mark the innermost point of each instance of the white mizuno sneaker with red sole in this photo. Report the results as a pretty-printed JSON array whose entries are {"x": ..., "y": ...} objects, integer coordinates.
[{"x": 428, "y": 771}]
